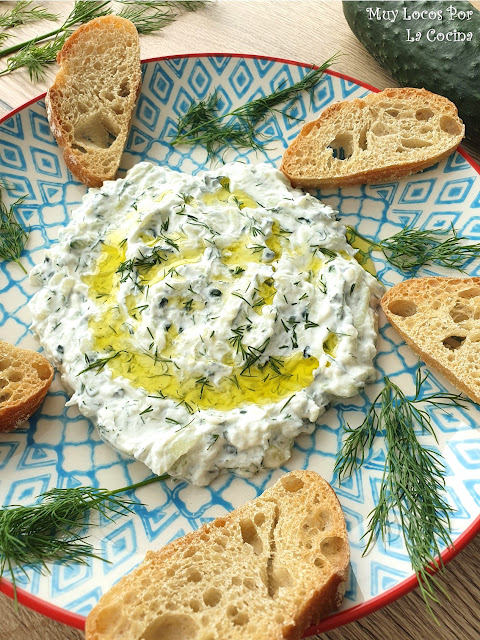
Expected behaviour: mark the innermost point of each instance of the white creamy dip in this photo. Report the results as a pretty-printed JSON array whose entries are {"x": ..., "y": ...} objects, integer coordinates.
[{"x": 203, "y": 322}]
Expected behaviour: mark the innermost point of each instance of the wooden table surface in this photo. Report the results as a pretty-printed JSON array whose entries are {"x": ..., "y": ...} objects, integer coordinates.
[{"x": 307, "y": 31}]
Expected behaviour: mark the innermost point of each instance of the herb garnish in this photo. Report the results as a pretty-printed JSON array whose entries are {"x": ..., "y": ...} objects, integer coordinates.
[
  {"x": 201, "y": 124},
  {"x": 147, "y": 17},
  {"x": 412, "y": 482},
  {"x": 23, "y": 13},
  {"x": 99, "y": 364},
  {"x": 153, "y": 15},
  {"x": 12, "y": 235},
  {"x": 36, "y": 57},
  {"x": 203, "y": 382},
  {"x": 411, "y": 248},
  {"x": 46, "y": 531}
]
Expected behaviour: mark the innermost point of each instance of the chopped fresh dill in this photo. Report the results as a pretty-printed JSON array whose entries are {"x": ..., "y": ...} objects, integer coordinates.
[
  {"x": 187, "y": 198},
  {"x": 309, "y": 324},
  {"x": 184, "y": 426},
  {"x": 236, "y": 340},
  {"x": 276, "y": 365},
  {"x": 215, "y": 437},
  {"x": 239, "y": 295},
  {"x": 240, "y": 204},
  {"x": 237, "y": 271},
  {"x": 203, "y": 382},
  {"x": 413, "y": 478},
  {"x": 331, "y": 255},
  {"x": 225, "y": 182},
  {"x": 256, "y": 248},
  {"x": 99, "y": 364},
  {"x": 256, "y": 231},
  {"x": 141, "y": 308},
  {"x": 187, "y": 406},
  {"x": 188, "y": 305},
  {"x": 252, "y": 355},
  {"x": 160, "y": 396},
  {"x": 287, "y": 402}
]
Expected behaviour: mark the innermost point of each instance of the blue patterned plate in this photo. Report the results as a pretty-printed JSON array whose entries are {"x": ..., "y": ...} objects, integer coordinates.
[{"x": 60, "y": 448}]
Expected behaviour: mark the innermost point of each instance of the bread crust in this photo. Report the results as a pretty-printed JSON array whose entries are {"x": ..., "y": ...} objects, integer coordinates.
[
  {"x": 439, "y": 318},
  {"x": 373, "y": 163},
  {"x": 73, "y": 103},
  {"x": 25, "y": 377},
  {"x": 323, "y": 593}
]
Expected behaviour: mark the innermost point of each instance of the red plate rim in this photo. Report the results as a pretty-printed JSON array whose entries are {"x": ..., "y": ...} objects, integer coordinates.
[{"x": 337, "y": 619}]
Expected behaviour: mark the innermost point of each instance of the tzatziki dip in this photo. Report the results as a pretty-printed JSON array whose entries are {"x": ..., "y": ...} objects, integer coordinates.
[{"x": 203, "y": 322}]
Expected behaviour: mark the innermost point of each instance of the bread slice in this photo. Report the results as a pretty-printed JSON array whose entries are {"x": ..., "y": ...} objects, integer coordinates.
[
  {"x": 267, "y": 570},
  {"x": 25, "y": 377},
  {"x": 91, "y": 102},
  {"x": 381, "y": 137},
  {"x": 440, "y": 319}
]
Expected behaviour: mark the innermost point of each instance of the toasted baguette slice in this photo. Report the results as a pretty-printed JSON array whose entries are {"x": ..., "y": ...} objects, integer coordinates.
[
  {"x": 25, "y": 377},
  {"x": 440, "y": 319},
  {"x": 266, "y": 570},
  {"x": 91, "y": 102},
  {"x": 374, "y": 139}
]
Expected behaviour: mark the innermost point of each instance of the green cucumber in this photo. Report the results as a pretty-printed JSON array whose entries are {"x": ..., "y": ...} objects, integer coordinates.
[{"x": 413, "y": 46}]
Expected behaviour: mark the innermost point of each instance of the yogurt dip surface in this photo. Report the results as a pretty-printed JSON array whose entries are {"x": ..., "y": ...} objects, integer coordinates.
[{"x": 203, "y": 322}]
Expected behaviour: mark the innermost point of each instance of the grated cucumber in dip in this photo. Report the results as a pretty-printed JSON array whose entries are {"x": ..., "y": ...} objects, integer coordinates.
[{"x": 203, "y": 322}]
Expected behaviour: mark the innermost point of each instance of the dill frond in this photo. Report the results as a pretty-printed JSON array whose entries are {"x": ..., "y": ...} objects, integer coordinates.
[
  {"x": 412, "y": 248},
  {"x": 150, "y": 16},
  {"x": 202, "y": 124},
  {"x": 413, "y": 483},
  {"x": 36, "y": 57},
  {"x": 24, "y": 13},
  {"x": 48, "y": 530},
  {"x": 12, "y": 235}
]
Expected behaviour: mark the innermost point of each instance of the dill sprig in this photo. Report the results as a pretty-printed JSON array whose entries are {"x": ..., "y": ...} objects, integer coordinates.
[
  {"x": 82, "y": 12},
  {"x": 411, "y": 248},
  {"x": 24, "y": 13},
  {"x": 201, "y": 124},
  {"x": 413, "y": 479},
  {"x": 12, "y": 235},
  {"x": 48, "y": 530},
  {"x": 36, "y": 57},
  {"x": 152, "y": 16},
  {"x": 146, "y": 16}
]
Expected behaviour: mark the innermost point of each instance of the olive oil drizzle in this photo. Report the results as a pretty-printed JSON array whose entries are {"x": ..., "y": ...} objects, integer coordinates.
[{"x": 255, "y": 377}]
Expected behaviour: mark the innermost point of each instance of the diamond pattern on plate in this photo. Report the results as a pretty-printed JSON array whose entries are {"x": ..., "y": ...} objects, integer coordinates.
[
  {"x": 58, "y": 447},
  {"x": 11, "y": 156},
  {"x": 241, "y": 78}
]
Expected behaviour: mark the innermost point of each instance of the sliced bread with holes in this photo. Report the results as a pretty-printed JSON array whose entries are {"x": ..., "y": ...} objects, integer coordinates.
[
  {"x": 440, "y": 319},
  {"x": 25, "y": 377},
  {"x": 265, "y": 571},
  {"x": 381, "y": 137},
  {"x": 90, "y": 105}
]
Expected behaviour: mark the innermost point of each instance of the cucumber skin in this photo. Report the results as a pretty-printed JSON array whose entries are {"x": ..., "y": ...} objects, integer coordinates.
[{"x": 451, "y": 69}]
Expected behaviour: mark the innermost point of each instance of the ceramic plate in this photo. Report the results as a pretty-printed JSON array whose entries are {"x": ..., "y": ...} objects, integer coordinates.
[{"x": 60, "y": 448}]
